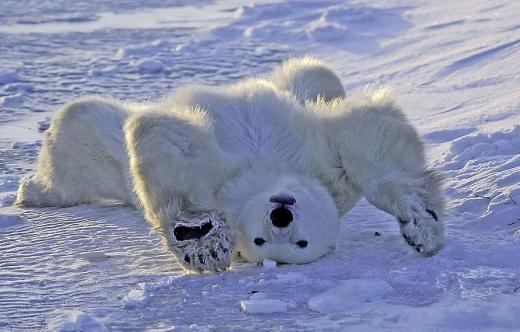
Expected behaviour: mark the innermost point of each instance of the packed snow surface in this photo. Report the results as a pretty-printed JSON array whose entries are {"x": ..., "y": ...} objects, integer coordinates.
[
  {"x": 455, "y": 70},
  {"x": 8, "y": 220},
  {"x": 349, "y": 294},
  {"x": 75, "y": 320}
]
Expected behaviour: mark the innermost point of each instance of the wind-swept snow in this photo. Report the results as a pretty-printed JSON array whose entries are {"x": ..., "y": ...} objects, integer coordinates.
[
  {"x": 349, "y": 294},
  {"x": 8, "y": 220},
  {"x": 454, "y": 68},
  {"x": 75, "y": 320}
]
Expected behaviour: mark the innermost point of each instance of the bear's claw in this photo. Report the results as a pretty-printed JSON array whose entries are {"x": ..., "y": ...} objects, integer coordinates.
[
  {"x": 202, "y": 243},
  {"x": 424, "y": 234}
]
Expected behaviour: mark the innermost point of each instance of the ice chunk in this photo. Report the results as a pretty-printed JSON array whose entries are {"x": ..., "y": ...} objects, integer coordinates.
[
  {"x": 136, "y": 297},
  {"x": 148, "y": 66},
  {"x": 269, "y": 264},
  {"x": 260, "y": 304}
]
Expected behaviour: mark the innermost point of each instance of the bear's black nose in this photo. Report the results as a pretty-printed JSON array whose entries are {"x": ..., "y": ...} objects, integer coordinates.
[
  {"x": 282, "y": 199},
  {"x": 281, "y": 217}
]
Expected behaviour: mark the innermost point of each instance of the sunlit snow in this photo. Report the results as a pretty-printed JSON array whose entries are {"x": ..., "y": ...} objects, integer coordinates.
[{"x": 454, "y": 68}]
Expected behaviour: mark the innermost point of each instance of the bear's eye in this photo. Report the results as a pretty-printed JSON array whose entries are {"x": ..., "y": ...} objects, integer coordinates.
[
  {"x": 259, "y": 241},
  {"x": 302, "y": 243}
]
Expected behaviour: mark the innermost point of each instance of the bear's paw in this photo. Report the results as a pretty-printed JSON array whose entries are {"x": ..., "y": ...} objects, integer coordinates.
[
  {"x": 202, "y": 242},
  {"x": 423, "y": 232}
]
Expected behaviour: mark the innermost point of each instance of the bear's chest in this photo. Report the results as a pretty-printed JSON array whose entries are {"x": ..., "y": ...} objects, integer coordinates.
[{"x": 260, "y": 135}]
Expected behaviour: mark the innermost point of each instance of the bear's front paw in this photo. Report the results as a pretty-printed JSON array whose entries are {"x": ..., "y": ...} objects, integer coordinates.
[
  {"x": 422, "y": 231},
  {"x": 203, "y": 242}
]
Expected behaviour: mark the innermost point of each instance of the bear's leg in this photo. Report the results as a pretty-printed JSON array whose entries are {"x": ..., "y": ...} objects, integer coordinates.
[
  {"x": 175, "y": 166},
  {"x": 82, "y": 158},
  {"x": 383, "y": 155},
  {"x": 308, "y": 79}
]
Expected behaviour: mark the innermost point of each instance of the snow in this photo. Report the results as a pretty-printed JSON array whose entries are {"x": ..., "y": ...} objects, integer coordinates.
[
  {"x": 75, "y": 320},
  {"x": 9, "y": 220},
  {"x": 291, "y": 277},
  {"x": 12, "y": 100},
  {"x": 349, "y": 294},
  {"x": 9, "y": 76},
  {"x": 260, "y": 304},
  {"x": 358, "y": 28},
  {"x": 24, "y": 87},
  {"x": 454, "y": 68},
  {"x": 142, "y": 50}
]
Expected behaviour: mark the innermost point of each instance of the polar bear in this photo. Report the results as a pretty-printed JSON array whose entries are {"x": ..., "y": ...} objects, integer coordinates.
[{"x": 263, "y": 168}]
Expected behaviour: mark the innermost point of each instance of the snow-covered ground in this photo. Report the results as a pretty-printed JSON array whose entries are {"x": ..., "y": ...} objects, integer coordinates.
[{"x": 455, "y": 69}]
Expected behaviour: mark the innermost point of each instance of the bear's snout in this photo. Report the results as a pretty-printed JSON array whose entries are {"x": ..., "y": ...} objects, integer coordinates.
[{"x": 281, "y": 217}]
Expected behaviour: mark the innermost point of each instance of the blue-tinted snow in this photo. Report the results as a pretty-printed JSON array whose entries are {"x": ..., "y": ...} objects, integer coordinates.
[{"x": 455, "y": 70}]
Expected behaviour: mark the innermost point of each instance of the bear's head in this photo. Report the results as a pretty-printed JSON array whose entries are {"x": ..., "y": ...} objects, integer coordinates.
[{"x": 286, "y": 218}]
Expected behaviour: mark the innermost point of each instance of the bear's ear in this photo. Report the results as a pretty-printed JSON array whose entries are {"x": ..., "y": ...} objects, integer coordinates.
[{"x": 308, "y": 79}]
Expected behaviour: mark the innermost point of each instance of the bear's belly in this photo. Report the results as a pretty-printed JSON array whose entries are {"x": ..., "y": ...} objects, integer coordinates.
[{"x": 259, "y": 138}]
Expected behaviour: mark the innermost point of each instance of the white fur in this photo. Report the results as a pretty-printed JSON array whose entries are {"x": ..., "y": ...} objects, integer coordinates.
[
  {"x": 230, "y": 148},
  {"x": 308, "y": 79},
  {"x": 83, "y": 158}
]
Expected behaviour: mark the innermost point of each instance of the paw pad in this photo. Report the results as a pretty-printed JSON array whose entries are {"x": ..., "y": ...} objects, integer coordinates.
[
  {"x": 202, "y": 242},
  {"x": 183, "y": 232}
]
